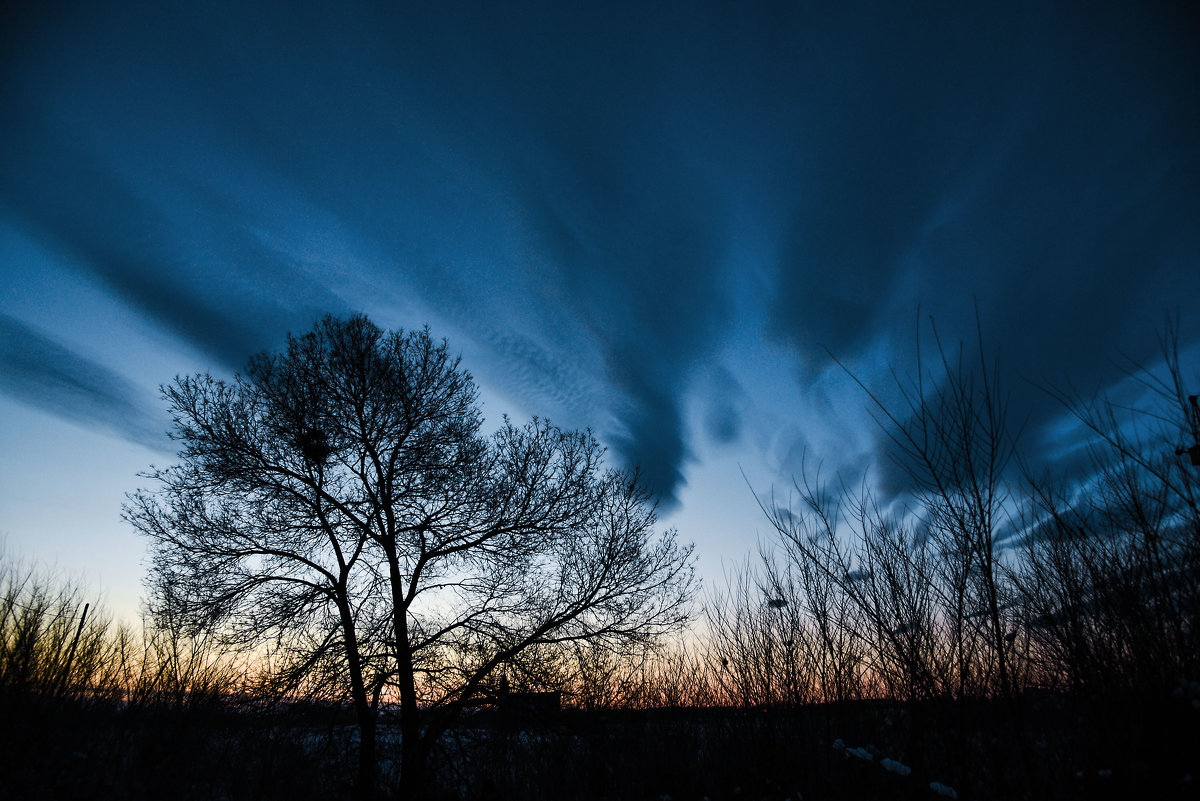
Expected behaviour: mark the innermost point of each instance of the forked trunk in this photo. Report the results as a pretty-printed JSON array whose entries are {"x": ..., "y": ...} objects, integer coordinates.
[
  {"x": 364, "y": 779},
  {"x": 364, "y": 712},
  {"x": 412, "y": 748}
]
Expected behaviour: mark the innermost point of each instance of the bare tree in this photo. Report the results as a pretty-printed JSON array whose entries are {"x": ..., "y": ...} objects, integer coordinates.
[
  {"x": 950, "y": 436},
  {"x": 1110, "y": 577},
  {"x": 340, "y": 504}
]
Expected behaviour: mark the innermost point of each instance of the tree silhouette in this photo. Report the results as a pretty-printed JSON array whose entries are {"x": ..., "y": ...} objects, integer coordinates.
[{"x": 340, "y": 505}]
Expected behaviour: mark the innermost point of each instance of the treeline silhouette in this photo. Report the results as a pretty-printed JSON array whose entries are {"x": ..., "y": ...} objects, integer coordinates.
[
  {"x": 92, "y": 708},
  {"x": 1031, "y": 634},
  {"x": 995, "y": 633}
]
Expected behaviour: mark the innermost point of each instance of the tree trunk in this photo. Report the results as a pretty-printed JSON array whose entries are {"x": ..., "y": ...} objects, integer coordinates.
[
  {"x": 412, "y": 749},
  {"x": 364, "y": 781}
]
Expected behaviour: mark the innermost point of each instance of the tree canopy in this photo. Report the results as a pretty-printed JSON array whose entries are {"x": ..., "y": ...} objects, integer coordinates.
[{"x": 340, "y": 504}]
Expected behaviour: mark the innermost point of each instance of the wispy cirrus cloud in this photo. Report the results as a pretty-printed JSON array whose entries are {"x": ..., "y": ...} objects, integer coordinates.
[{"x": 53, "y": 378}]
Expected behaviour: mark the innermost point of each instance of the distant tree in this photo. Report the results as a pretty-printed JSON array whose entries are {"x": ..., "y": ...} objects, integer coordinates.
[
  {"x": 1111, "y": 582},
  {"x": 340, "y": 505},
  {"x": 929, "y": 576}
]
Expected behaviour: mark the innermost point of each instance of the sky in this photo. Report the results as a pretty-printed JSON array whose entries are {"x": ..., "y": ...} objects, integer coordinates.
[{"x": 678, "y": 224}]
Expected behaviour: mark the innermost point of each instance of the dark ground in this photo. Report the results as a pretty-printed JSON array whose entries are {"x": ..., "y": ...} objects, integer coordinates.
[{"x": 1042, "y": 746}]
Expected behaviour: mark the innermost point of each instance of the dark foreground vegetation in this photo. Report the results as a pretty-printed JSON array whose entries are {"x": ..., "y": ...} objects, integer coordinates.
[
  {"x": 192, "y": 736},
  {"x": 998, "y": 633}
]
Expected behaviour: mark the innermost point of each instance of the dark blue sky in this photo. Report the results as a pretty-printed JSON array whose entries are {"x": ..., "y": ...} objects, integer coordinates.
[{"x": 654, "y": 219}]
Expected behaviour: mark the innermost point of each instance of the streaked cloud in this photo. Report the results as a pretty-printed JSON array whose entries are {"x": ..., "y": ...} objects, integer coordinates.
[
  {"x": 53, "y": 378},
  {"x": 577, "y": 193}
]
